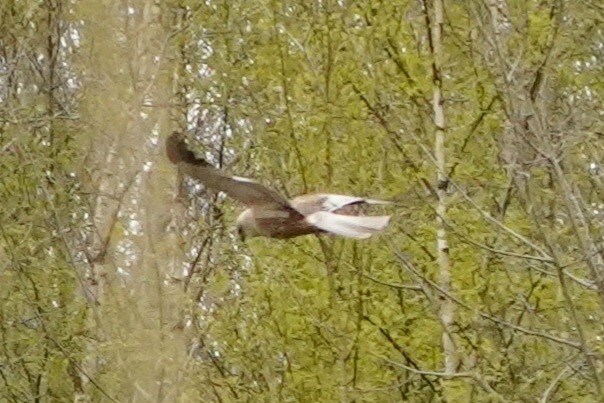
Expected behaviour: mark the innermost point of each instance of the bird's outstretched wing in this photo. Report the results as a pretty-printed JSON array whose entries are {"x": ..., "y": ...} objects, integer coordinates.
[
  {"x": 247, "y": 191},
  {"x": 177, "y": 150},
  {"x": 349, "y": 226},
  {"x": 332, "y": 203}
]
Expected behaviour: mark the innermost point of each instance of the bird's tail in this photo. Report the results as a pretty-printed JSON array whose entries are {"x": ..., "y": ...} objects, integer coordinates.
[{"x": 348, "y": 226}]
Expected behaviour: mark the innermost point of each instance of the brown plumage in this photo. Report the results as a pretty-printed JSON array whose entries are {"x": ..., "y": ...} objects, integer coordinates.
[{"x": 270, "y": 214}]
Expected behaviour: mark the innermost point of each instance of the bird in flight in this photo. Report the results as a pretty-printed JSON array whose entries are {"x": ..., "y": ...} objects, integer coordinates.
[{"x": 269, "y": 214}]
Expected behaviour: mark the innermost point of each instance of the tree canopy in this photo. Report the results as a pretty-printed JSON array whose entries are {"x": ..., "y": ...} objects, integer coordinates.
[{"x": 122, "y": 280}]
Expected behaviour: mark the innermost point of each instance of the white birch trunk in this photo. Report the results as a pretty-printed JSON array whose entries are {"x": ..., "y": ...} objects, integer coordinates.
[{"x": 447, "y": 308}]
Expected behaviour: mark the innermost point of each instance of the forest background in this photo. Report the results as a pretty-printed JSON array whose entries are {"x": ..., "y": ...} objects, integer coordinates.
[{"x": 120, "y": 280}]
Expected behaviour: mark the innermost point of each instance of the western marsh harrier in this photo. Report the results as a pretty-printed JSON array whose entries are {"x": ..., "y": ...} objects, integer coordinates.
[{"x": 270, "y": 214}]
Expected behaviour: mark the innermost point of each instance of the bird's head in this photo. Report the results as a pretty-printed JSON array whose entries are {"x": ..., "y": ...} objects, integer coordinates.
[
  {"x": 246, "y": 225},
  {"x": 241, "y": 233}
]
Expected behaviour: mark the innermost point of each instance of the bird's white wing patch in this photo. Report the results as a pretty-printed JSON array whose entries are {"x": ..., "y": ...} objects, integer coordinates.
[
  {"x": 349, "y": 226},
  {"x": 242, "y": 179},
  {"x": 376, "y": 201},
  {"x": 335, "y": 202}
]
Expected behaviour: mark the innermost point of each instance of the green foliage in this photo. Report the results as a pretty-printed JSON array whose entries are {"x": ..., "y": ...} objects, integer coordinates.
[
  {"x": 312, "y": 97},
  {"x": 338, "y": 99},
  {"x": 41, "y": 312},
  {"x": 42, "y": 316}
]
